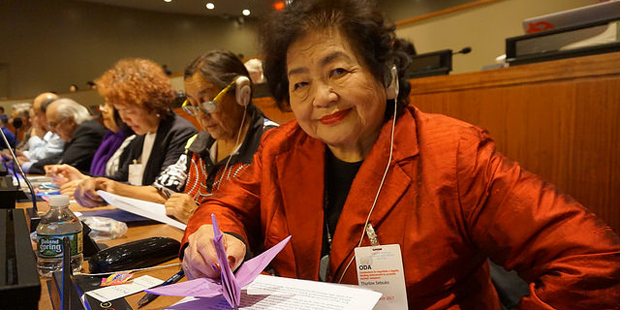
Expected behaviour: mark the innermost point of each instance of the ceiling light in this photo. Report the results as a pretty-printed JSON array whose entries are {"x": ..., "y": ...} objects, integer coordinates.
[
  {"x": 167, "y": 0},
  {"x": 210, "y": 6},
  {"x": 278, "y": 6},
  {"x": 246, "y": 12}
]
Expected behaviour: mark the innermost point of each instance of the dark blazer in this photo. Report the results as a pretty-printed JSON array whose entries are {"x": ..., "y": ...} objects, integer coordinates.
[
  {"x": 79, "y": 151},
  {"x": 172, "y": 135}
]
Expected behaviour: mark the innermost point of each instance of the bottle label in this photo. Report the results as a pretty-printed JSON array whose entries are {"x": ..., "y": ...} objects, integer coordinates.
[{"x": 50, "y": 246}]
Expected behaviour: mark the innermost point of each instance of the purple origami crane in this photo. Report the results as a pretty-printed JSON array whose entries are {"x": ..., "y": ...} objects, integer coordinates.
[{"x": 229, "y": 284}]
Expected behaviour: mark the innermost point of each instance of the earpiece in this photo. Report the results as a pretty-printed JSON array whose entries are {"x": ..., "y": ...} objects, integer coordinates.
[
  {"x": 392, "y": 90},
  {"x": 243, "y": 90}
]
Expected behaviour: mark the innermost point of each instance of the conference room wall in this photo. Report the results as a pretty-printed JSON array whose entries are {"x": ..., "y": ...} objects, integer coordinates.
[
  {"x": 49, "y": 45},
  {"x": 484, "y": 28}
]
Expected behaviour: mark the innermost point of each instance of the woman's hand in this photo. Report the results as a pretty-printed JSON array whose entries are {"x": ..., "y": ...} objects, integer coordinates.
[
  {"x": 62, "y": 174},
  {"x": 86, "y": 191},
  {"x": 180, "y": 206},
  {"x": 69, "y": 188},
  {"x": 200, "y": 257}
]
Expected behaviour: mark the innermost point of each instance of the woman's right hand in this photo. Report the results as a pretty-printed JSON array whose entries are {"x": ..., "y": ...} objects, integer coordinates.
[
  {"x": 69, "y": 188},
  {"x": 200, "y": 258},
  {"x": 62, "y": 174},
  {"x": 86, "y": 192},
  {"x": 180, "y": 206}
]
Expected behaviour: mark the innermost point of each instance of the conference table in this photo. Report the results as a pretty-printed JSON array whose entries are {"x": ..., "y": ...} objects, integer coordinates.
[{"x": 133, "y": 233}]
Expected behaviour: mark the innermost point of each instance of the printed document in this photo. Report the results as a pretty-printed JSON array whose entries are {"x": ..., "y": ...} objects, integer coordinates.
[
  {"x": 277, "y": 293},
  {"x": 155, "y": 211}
]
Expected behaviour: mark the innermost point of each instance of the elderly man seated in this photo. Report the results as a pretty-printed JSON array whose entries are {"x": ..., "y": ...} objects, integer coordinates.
[
  {"x": 42, "y": 143},
  {"x": 82, "y": 135}
]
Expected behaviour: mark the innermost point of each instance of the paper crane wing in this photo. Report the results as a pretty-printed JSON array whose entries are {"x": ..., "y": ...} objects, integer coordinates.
[{"x": 230, "y": 284}]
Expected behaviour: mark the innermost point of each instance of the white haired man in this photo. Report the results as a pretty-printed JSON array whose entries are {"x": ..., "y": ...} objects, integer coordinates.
[
  {"x": 82, "y": 134},
  {"x": 43, "y": 144}
]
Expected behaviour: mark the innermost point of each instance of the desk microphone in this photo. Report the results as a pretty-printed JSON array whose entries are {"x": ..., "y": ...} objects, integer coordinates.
[
  {"x": 32, "y": 212},
  {"x": 464, "y": 50}
]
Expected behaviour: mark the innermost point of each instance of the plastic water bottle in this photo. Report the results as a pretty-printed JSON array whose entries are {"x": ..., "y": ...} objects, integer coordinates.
[{"x": 54, "y": 226}]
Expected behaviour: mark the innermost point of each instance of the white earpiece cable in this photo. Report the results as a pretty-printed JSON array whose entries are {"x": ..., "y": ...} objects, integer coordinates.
[{"x": 387, "y": 168}]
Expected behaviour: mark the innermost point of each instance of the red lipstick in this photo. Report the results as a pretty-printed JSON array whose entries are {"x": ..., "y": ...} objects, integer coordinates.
[{"x": 335, "y": 117}]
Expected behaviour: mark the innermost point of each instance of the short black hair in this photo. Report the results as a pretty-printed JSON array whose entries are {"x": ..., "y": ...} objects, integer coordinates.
[{"x": 359, "y": 21}]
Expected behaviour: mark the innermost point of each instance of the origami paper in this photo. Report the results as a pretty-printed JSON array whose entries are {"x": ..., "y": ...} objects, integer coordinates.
[{"x": 229, "y": 285}]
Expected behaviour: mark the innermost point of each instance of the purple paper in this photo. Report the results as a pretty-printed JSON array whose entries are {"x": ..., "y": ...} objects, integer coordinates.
[
  {"x": 253, "y": 267},
  {"x": 230, "y": 288},
  {"x": 230, "y": 284}
]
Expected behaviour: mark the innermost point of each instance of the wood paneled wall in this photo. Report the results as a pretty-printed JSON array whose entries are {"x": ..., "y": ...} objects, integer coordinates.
[{"x": 559, "y": 119}]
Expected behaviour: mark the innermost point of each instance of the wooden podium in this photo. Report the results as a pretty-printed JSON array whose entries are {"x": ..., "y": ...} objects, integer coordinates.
[{"x": 558, "y": 119}]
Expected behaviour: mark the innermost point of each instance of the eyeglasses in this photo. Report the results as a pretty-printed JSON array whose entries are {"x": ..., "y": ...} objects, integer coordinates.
[
  {"x": 53, "y": 125},
  {"x": 209, "y": 106}
]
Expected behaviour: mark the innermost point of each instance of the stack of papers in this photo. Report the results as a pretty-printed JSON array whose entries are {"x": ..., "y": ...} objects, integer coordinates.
[{"x": 269, "y": 292}]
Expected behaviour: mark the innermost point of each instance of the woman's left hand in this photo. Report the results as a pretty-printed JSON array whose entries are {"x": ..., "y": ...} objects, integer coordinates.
[
  {"x": 180, "y": 206},
  {"x": 86, "y": 191}
]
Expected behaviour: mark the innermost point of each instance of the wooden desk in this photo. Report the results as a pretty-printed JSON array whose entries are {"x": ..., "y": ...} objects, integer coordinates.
[{"x": 133, "y": 233}]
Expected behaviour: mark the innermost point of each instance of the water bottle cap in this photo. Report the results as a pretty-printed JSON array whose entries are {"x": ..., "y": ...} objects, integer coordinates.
[{"x": 59, "y": 200}]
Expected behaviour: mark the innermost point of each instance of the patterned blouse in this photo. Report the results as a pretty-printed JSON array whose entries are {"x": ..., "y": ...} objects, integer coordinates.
[{"x": 197, "y": 174}]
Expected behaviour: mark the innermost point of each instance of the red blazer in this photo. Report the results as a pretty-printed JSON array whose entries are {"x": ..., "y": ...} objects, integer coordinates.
[{"x": 450, "y": 201}]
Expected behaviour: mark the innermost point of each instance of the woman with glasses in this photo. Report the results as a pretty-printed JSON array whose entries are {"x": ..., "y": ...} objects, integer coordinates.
[
  {"x": 219, "y": 96},
  {"x": 141, "y": 93}
]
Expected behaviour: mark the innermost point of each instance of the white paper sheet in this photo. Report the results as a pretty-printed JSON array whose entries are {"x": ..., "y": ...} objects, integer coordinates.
[
  {"x": 155, "y": 211},
  {"x": 117, "y": 291},
  {"x": 276, "y": 293}
]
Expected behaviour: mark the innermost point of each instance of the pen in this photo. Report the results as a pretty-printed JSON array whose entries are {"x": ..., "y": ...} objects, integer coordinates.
[{"x": 150, "y": 297}]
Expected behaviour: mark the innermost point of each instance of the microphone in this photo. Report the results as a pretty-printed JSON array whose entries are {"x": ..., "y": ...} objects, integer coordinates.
[
  {"x": 18, "y": 123},
  {"x": 33, "y": 213},
  {"x": 464, "y": 50}
]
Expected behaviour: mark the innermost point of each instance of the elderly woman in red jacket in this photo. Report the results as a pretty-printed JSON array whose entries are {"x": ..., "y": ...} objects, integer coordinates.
[{"x": 358, "y": 156}]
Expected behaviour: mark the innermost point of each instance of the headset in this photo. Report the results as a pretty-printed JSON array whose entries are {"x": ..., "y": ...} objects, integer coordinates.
[
  {"x": 243, "y": 90},
  {"x": 391, "y": 92}
]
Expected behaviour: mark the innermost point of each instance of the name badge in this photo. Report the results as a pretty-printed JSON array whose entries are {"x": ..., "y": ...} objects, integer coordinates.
[
  {"x": 380, "y": 268},
  {"x": 135, "y": 174}
]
